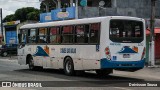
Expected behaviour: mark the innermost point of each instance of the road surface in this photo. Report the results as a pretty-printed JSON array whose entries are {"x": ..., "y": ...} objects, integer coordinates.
[{"x": 10, "y": 70}]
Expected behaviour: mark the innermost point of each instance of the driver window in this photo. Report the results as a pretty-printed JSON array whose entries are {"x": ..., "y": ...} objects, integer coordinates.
[
  {"x": 22, "y": 37},
  {"x": 32, "y": 36}
]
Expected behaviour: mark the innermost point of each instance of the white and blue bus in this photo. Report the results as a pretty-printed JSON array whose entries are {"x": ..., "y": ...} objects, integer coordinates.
[{"x": 100, "y": 44}]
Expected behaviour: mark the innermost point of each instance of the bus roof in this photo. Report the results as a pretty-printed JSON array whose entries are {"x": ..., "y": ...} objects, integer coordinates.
[{"x": 75, "y": 21}]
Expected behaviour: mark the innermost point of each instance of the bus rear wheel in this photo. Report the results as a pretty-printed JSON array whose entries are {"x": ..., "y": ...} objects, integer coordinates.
[
  {"x": 104, "y": 72},
  {"x": 68, "y": 66}
]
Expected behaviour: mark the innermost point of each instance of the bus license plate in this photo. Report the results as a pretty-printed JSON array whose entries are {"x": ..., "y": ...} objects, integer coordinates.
[{"x": 126, "y": 55}]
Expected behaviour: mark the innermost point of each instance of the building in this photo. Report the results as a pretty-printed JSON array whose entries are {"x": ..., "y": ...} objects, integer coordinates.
[
  {"x": 97, "y": 8},
  {"x": 11, "y": 30},
  {"x": 157, "y": 40},
  {"x": 135, "y": 8}
]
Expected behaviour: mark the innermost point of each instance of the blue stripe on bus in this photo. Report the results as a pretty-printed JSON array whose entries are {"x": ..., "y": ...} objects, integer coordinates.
[
  {"x": 40, "y": 52},
  {"x": 121, "y": 64}
]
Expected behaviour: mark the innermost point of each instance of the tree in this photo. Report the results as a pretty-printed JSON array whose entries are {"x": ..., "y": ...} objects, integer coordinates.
[
  {"x": 33, "y": 15},
  {"x": 21, "y": 14},
  {"x": 9, "y": 18},
  {"x": 49, "y": 3}
]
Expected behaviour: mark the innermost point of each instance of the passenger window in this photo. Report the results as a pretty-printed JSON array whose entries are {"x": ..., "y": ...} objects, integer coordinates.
[
  {"x": 67, "y": 34},
  {"x": 94, "y": 33},
  {"x": 55, "y": 36},
  {"x": 42, "y": 35},
  {"x": 82, "y": 33}
]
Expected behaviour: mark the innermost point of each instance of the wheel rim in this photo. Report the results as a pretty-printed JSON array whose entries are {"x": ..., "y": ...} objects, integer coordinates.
[
  {"x": 5, "y": 54},
  {"x": 68, "y": 66}
]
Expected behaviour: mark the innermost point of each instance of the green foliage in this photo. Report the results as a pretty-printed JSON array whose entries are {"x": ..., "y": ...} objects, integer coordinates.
[
  {"x": 9, "y": 18},
  {"x": 33, "y": 16},
  {"x": 49, "y": 3},
  {"x": 23, "y": 14}
]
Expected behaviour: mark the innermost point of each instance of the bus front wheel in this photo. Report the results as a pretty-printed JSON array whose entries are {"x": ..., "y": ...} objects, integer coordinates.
[
  {"x": 104, "y": 72},
  {"x": 31, "y": 63},
  {"x": 68, "y": 66}
]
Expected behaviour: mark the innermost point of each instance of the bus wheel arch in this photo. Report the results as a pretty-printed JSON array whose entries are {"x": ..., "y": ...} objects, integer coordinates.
[
  {"x": 68, "y": 66},
  {"x": 27, "y": 58},
  {"x": 30, "y": 62}
]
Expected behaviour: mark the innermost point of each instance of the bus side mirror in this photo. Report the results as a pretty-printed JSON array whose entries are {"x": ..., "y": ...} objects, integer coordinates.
[{"x": 21, "y": 45}]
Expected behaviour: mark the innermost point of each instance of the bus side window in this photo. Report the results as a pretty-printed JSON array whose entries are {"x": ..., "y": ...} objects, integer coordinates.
[
  {"x": 94, "y": 32},
  {"x": 42, "y": 35},
  {"x": 82, "y": 33},
  {"x": 55, "y": 36},
  {"x": 67, "y": 34}
]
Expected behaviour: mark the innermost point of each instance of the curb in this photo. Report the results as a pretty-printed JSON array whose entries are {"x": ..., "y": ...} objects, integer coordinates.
[{"x": 156, "y": 66}]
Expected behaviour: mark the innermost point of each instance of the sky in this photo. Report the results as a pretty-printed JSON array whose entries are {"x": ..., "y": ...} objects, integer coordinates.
[{"x": 10, "y": 6}]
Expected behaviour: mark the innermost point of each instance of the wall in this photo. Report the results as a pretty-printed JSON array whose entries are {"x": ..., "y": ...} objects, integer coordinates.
[{"x": 135, "y": 8}]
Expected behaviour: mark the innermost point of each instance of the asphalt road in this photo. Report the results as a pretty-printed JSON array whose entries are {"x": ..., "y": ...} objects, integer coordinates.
[{"x": 10, "y": 70}]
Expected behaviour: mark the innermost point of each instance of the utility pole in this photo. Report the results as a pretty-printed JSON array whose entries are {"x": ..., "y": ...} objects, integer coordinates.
[
  {"x": 47, "y": 8},
  {"x": 152, "y": 38},
  {"x": 71, "y": 3},
  {"x": 76, "y": 15},
  {"x": 1, "y": 22},
  {"x": 55, "y": 3},
  {"x": 46, "y": 5},
  {"x": 59, "y": 3}
]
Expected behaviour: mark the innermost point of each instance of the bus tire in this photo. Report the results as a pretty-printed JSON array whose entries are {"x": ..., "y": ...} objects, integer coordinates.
[
  {"x": 69, "y": 66},
  {"x": 31, "y": 63},
  {"x": 104, "y": 72}
]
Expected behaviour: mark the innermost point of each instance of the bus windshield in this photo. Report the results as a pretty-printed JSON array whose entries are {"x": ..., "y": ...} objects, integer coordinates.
[{"x": 126, "y": 31}]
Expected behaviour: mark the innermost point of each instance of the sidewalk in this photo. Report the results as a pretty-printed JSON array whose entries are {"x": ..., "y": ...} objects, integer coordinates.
[
  {"x": 10, "y": 58},
  {"x": 147, "y": 72}
]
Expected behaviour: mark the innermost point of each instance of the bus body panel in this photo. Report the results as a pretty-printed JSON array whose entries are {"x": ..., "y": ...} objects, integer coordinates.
[{"x": 57, "y": 53}]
